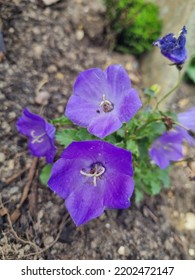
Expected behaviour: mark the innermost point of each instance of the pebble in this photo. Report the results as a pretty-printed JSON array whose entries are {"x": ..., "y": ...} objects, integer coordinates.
[
  {"x": 190, "y": 221},
  {"x": 13, "y": 190},
  {"x": 60, "y": 109},
  {"x": 50, "y": 2},
  {"x": 183, "y": 102},
  {"x": 79, "y": 35},
  {"x": 12, "y": 115},
  {"x": 2, "y": 157},
  {"x": 52, "y": 69},
  {"x": 121, "y": 251},
  {"x": 48, "y": 240},
  {"x": 37, "y": 50},
  {"x": 59, "y": 76},
  {"x": 191, "y": 252},
  {"x": 42, "y": 97},
  {"x": 10, "y": 164}
]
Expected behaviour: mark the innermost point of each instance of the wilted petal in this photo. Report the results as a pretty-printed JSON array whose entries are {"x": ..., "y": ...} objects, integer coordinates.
[{"x": 173, "y": 48}]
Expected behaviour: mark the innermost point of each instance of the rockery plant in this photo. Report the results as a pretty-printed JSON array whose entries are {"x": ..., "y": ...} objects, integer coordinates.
[{"x": 114, "y": 143}]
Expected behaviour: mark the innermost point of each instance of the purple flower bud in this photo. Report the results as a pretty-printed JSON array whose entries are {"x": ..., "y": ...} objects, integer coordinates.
[
  {"x": 173, "y": 48},
  {"x": 92, "y": 176},
  {"x": 103, "y": 100},
  {"x": 41, "y": 135}
]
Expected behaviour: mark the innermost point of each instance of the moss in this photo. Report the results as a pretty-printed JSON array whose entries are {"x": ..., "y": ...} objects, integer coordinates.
[{"x": 135, "y": 24}]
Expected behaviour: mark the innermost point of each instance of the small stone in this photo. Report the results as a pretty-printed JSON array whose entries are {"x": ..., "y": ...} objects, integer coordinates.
[
  {"x": 59, "y": 76},
  {"x": 190, "y": 221},
  {"x": 12, "y": 115},
  {"x": 42, "y": 97},
  {"x": 60, "y": 109},
  {"x": 11, "y": 30},
  {"x": 50, "y": 2},
  {"x": 191, "y": 252},
  {"x": 121, "y": 251},
  {"x": 107, "y": 226},
  {"x": 2, "y": 157},
  {"x": 48, "y": 240},
  {"x": 183, "y": 102},
  {"x": 52, "y": 69},
  {"x": 2, "y": 96},
  {"x": 11, "y": 164},
  {"x": 13, "y": 190},
  {"x": 79, "y": 35},
  {"x": 37, "y": 50}
]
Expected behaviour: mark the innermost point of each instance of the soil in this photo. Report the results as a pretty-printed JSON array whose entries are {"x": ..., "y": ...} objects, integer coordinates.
[{"x": 46, "y": 48}]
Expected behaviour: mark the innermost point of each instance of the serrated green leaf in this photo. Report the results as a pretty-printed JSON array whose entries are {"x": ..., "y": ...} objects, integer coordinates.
[
  {"x": 65, "y": 137},
  {"x": 62, "y": 121},
  {"x": 45, "y": 174},
  {"x": 83, "y": 134},
  {"x": 133, "y": 147}
]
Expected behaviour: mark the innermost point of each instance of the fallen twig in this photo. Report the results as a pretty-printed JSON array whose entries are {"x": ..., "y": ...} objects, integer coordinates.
[
  {"x": 15, "y": 176},
  {"x": 16, "y": 214}
]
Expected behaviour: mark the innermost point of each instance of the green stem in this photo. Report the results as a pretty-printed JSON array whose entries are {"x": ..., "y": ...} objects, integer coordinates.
[
  {"x": 147, "y": 123},
  {"x": 171, "y": 91}
]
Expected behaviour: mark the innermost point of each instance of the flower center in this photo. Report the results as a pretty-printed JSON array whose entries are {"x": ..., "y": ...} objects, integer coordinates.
[
  {"x": 37, "y": 138},
  {"x": 96, "y": 171},
  {"x": 106, "y": 105}
]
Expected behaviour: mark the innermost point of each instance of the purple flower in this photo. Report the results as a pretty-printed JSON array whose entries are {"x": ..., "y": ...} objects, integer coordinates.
[
  {"x": 187, "y": 119},
  {"x": 103, "y": 100},
  {"x": 167, "y": 148},
  {"x": 173, "y": 48},
  {"x": 40, "y": 133},
  {"x": 92, "y": 176}
]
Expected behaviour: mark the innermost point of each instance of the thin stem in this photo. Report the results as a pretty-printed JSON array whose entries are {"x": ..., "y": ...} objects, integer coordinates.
[{"x": 171, "y": 91}]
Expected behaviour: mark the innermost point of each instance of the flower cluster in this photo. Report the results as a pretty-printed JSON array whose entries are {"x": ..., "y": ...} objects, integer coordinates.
[{"x": 95, "y": 175}]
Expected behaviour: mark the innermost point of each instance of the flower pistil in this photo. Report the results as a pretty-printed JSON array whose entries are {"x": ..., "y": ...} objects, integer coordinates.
[
  {"x": 106, "y": 104},
  {"x": 96, "y": 171},
  {"x": 37, "y": 138}
]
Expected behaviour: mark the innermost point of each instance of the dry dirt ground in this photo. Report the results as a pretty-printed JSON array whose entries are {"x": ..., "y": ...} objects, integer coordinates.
[{"x": 46, "y": 48}]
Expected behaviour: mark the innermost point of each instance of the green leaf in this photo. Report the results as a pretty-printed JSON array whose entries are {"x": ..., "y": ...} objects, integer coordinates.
[
  {"x": 65, "y": 137},
  {"x": 61, "y": 121},
  {"x": 133, "y": 147},
  {"x": 45, "y": 174},
  {"x": 83, "y": 134},
  {"x": 190, "y": 71}
]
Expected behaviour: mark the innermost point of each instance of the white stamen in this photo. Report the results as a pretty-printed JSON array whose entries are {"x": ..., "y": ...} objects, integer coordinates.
[
  {"x": 37, "y": 138},
  {"x": 95, "y": 175}
]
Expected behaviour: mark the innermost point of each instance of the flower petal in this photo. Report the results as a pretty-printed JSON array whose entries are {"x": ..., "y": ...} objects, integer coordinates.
[
  {"x": 118, "y": 81},
  {"x": 118, "y": 190},
  {"x": 130, "y": 105},
  {"x": 91, "y": 85},
  {"x": 104, "y": 124},
  {"x": 81, "y": 111},
  {"x": 28, "y": 122},
  {"x": 188, "y": 118},
  {"x": 85, "y": 203},
  {"x": 167, "y": 148},
  {"x": 65, "y": 176}
]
